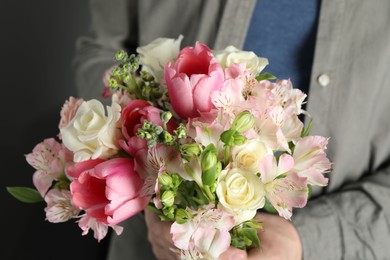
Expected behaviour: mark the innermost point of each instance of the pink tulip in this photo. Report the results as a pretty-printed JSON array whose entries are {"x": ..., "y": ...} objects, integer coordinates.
[
  {"x": 108, "y": 190},
  {"x": 191, "y": 80}
]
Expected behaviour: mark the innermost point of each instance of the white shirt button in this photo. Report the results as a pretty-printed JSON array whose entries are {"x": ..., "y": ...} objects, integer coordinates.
[{"x": 323, "y": 80}]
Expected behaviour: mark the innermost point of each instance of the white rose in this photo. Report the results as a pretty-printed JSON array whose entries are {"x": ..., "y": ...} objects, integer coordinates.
[
  {"x": 156, "y": 54},
  {"x": 231, "y": 55},
  {"x": 91, "y": 134},
  {"x": 249, "y": 154},
  {"x": 241, "y": 193}
]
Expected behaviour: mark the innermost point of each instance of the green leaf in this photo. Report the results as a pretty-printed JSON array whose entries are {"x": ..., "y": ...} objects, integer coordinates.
[
  {"x": 265, "y": 76},
  {"x": 306, "y": 132},
  {"x": 25, "y": 194},
  {"x": 251, "y": 234},
  {"x": 253, "y": 224},
  {"x": 269, "y": 208}
]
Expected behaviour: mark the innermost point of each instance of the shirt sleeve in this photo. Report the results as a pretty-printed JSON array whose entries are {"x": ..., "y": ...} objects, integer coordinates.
[
  {"x": 112, "y": 27},
  {"x": 353, "y": 223}
]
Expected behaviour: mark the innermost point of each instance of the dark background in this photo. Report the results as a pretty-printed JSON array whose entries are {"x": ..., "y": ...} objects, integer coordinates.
[{"x": 37, "y": 46}]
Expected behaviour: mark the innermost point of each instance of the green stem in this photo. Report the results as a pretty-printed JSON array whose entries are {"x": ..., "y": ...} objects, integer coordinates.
[{"x": 227, "y": 155}]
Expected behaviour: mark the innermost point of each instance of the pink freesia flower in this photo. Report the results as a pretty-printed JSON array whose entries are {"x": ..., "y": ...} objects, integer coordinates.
[
  {"x": 195, "y": 74},
  {"x": 108, "y": 190},
  {"x": 50, "y": 159},
  {"x": 286, "y": 192},
  {"x": 59, "y": 206},
  {"x": 133, "y": 116},
  {"x": 207, "y": 234},
  {"x": 311, "y": 160}
]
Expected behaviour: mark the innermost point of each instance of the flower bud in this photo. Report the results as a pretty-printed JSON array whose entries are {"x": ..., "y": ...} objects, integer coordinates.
[
  {"x": 165, "y": 179},
  {"x": 243, "y": 122},
  {"x": 209, "y": 165},
  {"x": 239, "y": 139},
  {"x": 169, "y": 212},
  {"x": 166, "y": 138},
  {"x": 181, "y": 131},
  {"x": 190, "y": 150},
  {"x": 113, "y": 83},
  {"x": 121, "y": 55},
  {"x": 165, "y": 116},
  {"x": 168, "y": 198}
]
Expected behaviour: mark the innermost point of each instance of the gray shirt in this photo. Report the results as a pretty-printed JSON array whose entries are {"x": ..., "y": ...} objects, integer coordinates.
[{"x": 349, "y": 101}]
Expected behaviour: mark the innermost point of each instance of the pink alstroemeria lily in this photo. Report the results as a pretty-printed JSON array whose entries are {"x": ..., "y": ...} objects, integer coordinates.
[
  {"x": 311, "y": 160},
  {"x": 207, "y": 234},
  {"x": 283, "y": 192}
]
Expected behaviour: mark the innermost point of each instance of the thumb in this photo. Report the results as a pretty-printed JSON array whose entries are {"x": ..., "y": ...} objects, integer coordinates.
[{"x": 233, "y": 253}]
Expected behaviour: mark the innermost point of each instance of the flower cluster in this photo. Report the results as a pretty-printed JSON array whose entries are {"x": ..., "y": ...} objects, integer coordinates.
[{"x": 202, "y": 137}]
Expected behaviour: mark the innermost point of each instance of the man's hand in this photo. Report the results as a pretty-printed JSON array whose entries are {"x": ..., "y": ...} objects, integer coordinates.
[
  {"x": 159, "y": 237},
  {"x": 278, "y": 240}
]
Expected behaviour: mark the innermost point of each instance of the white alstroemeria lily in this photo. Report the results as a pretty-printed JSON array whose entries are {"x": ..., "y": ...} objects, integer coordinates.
[
  {"x": 283, "y": 192},
  {"x": 311, "y": 160}
]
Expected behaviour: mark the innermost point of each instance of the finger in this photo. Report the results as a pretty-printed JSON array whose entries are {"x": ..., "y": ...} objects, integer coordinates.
[{"x": 233, "y": 253}]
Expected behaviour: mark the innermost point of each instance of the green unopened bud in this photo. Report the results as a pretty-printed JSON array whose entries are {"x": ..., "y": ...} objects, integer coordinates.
[
  {"x": 168, "y": 198},
  {"x": 126, "y": 67},
  {"x": 165, "y": 116},
  {"x": 182, "y": 216},
  {"x": 146, "y": 76},
  {"x": 146, "y": 90},
  {"x": 166, "y": 137},
  {"x": 209, "y": 165},
  {"x": 165, "y": 179},
  {"x": 243, "y": 122},
  {"x": 181, "y": 131},
  {"x": 190, "y": 150},
  {"x": 144, "y": 134},
  {"x": 232, "y": 137},
  {"x": 169, "y": 212},
  {"x": 113, "y": 82},
  {"x": 147, "y": 125},
  {"x": 121, "y": 55},
  {"x": 116, "y": 71},
  {"x": 227, "y": 137},
  {"x": 135, "y": 66},
  {"x": 239, "y": 139}
]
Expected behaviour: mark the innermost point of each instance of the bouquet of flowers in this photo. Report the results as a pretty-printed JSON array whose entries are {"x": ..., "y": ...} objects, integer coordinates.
[{"x": 201, "y": 137}]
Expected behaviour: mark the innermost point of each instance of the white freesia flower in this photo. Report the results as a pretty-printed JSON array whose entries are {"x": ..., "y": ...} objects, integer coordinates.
[
  {"x": 156, "y": 54},
  {"x": 249, "y": 154},
  {"x": 91, "y": 134},
  {"x": 231, "y": 55},
  {"x": 241, "y": 193}
]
